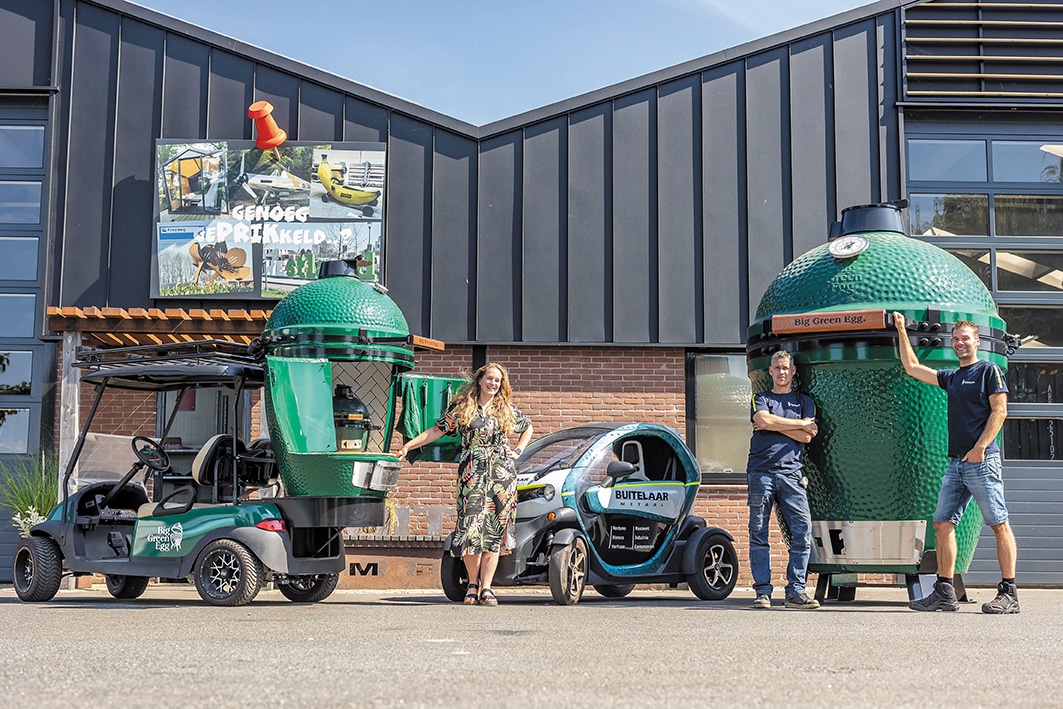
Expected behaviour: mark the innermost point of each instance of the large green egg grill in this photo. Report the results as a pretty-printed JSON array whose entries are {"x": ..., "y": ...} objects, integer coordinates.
[
  {"x": 335, "y": 334},
  {"x": 875, "y": 468}
]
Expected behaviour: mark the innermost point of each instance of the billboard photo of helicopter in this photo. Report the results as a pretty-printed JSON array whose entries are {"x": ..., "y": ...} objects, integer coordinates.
[{"x": 350, "y": 183}]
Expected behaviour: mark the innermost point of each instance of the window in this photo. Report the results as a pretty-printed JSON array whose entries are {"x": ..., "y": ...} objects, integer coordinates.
[
  {"x": 1026, "y": 161},
  {"x": 721, "y": 413},
  {"x": 21, "y": 147},
  {"x": 17, "y": 311},
  {"x": 16, "y": 373},
  {"x": 1029, "y": 215},
  {"x": 947, "y": 160},
  {"x": 949, "y": 214},
  {"x": 19, "y": 262},
  {"x": 14, "y": 430},
  {"x": 20, "y": 202}
]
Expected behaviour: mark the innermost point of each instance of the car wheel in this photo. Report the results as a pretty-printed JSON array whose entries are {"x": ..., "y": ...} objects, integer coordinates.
[
  {"x": 454, "y": 577},
  {"x": 227, "y": 574},
  {"x": 614, "y": 590},
  {"x": 38, "y": 569},
  {"x": 126, "y": 586},
  {"x": 716, "y": 568},
  {"x": 309, "y": 589},
  {"x": 568, "y": 572}
]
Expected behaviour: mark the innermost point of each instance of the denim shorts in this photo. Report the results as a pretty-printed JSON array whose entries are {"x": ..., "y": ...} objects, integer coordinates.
[{"x": 981, "y": 481}]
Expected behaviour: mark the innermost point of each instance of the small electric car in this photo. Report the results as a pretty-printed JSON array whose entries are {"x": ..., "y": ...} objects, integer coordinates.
[
  {"x": 222, "y": 521},
  {"x": 609, "y": 505}
]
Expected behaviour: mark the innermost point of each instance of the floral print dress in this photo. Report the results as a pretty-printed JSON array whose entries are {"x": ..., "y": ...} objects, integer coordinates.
[{"x": 487, "y": 483}]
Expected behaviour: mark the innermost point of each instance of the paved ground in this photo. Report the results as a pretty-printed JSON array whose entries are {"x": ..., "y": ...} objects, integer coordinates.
[{"x": 660, "y": 648}]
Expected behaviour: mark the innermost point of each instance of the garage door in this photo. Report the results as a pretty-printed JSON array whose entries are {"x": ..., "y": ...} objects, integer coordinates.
[
  {"x": 8, "y": 541},
  {"x": 1034, "y": 491}
]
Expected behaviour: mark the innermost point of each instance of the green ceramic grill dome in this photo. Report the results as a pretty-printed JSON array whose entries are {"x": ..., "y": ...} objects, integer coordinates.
[
  {"x": 343, "y": 301},
  {"x": 882, "y": 446}
]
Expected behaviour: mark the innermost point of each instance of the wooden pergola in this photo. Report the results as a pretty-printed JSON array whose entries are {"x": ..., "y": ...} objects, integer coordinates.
[{"x": 124, "y": 327}]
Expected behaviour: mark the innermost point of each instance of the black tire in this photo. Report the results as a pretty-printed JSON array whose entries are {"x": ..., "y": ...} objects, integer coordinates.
[
  {"x": 309, "y": 589},
  {"x": 454, "y": 577},
  {"x": 614, "y": 590},
  {"x": 126, "y": 586},
  {"x": 227, "y": 574},
  {"x": 38, "y": 569},
  {"x": 716, "y": 565},
  {"x": 568, "y": 572}
]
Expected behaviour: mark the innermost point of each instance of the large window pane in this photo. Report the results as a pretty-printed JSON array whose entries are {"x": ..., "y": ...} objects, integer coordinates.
[
  {"x": 14, "y": 430},
  {"x": 1030, "y": 270},
  {"x": 722, "y": 427},
  {"x": 16, "y": 373},
  {"x": 1037, "y": 326},
  {"x": 16, "y": 314},
  {"x": 20, "y": 202},
  {"x": 978, "y": 261},
  {"x": 1033, "y": 439},
  {"x": 1035, "y": 382},
  {"x": 949, "y": 214},
  {"x": 19, "y": 258},
  {"x": 21, "y": 147},
  {"x": 947, "y": 160},
  {"x": 1028, "y": 215},
  {"x": 1026, "y": 161}
]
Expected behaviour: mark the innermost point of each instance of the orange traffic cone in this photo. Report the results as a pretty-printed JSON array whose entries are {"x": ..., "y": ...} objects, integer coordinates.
[{"x": 269, "y": 134}]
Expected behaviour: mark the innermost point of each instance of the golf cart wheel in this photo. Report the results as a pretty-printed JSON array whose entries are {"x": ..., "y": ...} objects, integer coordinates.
[
  {"x": 309, "y": 589},
  {"x": 717, "y": 568},
  {"x": 227, "y": 574},
  {"x": 126, "y": 586},
  {"x": 568, "y": 572},
  {"x": 454, "y": 577},
  {"x": 614, "y": 590},
  {"x": 38, "y": 569}
]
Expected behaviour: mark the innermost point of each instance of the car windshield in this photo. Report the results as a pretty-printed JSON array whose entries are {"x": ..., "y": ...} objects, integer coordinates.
[{"x": 558, "y": 450}]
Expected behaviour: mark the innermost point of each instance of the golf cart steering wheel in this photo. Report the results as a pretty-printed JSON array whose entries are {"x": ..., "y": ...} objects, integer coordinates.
[{"x": 151, "y": 453}]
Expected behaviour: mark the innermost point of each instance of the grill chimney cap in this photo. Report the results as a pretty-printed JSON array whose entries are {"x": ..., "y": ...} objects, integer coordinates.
[{"x": 884, "y": 216}]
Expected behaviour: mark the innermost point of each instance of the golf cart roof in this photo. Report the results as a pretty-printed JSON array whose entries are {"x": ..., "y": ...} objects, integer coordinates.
[{"x": 207, "y": 363}]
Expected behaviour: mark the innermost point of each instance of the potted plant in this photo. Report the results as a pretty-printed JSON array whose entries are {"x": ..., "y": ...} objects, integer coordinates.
[{"x": 29, "y": 489}]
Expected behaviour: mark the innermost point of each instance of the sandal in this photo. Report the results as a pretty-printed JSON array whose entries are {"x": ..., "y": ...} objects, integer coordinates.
[
  {"x": 472, "y": 596},
  {"x": 487, "y": 598}
]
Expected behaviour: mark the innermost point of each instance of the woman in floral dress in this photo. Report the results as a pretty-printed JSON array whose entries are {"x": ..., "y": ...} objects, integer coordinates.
[{"x": 484, "y": 417}]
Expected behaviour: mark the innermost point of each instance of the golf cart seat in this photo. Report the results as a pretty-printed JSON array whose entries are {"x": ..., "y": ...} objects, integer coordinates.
[{"x": 214, "y": 467}]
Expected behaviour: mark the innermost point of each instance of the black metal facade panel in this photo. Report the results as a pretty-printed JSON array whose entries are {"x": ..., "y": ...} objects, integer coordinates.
[
  {"x": 545, "y": 236},
  {"x": 90, "y": 155},
  {"x": 408, "y": 251},
  {"x": 282, "y": 91},
  {"x": 679, "y": 201},
  {"x": 231, "y": 91},
  {"x": 137, "y": 121},
  {"x": 184, "y": 90},
  {"x": 453, "y": 238},
  {"x": 320, "y": 112},
  {"x": 855, "y": 114},
  {"x": 590, "y": 243},
  {"x": 364, "y": 122},
  {"x": 498, "y": 244},
  {"x": 725, "y": 304},
  {"x": 768, "y": 174},
  {"x": 26, "y": 43},
  {"x": 634, "y": 186},
  {"x": 812, "y": 110}
]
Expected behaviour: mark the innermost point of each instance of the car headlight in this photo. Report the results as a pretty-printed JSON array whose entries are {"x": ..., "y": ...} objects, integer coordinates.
[{"x": 548, "y": 492}]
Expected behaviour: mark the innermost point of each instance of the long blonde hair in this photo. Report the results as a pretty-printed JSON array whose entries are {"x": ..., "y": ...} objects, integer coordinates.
[{"x": 500, "y": 407}]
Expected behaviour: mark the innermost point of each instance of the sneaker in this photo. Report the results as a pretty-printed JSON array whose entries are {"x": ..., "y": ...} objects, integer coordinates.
[
  {"x": 1007, "y": 600},
  {"x": 942, "y": 598},
  {"x": 801, "y": 600},
  {"x": 763, "y": 601}
]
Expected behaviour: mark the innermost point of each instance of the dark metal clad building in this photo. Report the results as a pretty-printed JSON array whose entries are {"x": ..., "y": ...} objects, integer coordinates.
[{"x": 650, "y": 213}]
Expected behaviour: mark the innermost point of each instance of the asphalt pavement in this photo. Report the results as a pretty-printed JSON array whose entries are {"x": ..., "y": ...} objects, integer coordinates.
[{"x": 416, "y": 649}]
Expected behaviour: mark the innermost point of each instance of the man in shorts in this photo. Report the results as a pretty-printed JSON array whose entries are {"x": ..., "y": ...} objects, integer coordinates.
[{"x": 977, "y": 407}]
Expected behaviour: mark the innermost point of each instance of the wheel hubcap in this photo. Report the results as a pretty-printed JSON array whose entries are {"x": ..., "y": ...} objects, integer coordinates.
[
  {"x": 575, "y": 570},
  {"x": 224, "y": 573},
  {"x": 718, "y": 570}
]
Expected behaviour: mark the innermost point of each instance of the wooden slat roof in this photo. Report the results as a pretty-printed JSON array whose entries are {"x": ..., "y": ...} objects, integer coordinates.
[{"x": 119, "y": 327}]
